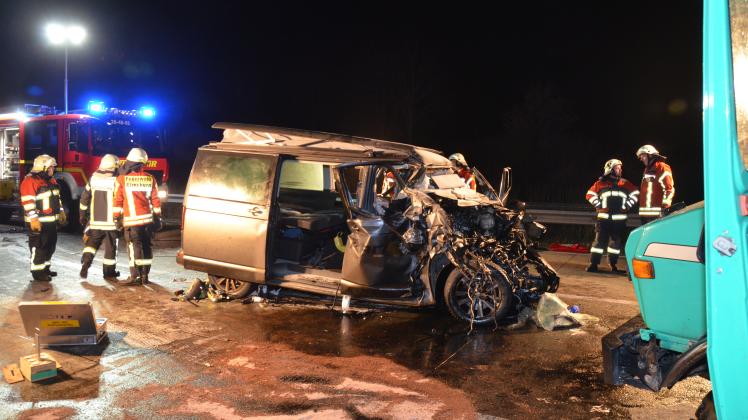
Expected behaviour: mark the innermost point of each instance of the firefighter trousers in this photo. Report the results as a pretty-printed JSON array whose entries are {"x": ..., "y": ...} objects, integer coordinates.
[
  {"x": 139, "y": 250},
  {"x": 608, "y": 234},
  {"x": 96, "y": 238},
  {"x": 42, "y": 246}
]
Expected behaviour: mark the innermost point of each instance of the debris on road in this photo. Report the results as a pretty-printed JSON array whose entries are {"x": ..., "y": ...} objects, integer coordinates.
[
  {"x": 12, "y": 374},
  {"x": 551, "y": 313},
  {"x": 575, "y": 248}
]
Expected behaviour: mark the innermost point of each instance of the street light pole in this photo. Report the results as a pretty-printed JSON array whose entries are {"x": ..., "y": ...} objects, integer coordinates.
[
  {"x": 66, "y": 79},
  {"x": 65, "y": 36}
]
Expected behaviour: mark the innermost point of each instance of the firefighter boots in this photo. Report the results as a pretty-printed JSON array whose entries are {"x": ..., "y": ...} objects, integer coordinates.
[{"x": 592, "y": 268}]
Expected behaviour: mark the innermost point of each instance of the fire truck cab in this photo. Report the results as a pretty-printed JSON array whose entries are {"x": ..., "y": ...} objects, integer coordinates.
[{"x": 77, "y": 141}]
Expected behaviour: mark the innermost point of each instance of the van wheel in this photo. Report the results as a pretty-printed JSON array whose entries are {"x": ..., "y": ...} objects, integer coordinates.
[
  {"x": 482, "y": 300},
  {"x": 706, "y": 410},
  {"x": 235, "y": 289}
]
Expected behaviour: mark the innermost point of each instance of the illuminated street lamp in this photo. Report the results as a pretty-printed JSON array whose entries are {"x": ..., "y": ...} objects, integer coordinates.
[{"x": 61, "y": 35}]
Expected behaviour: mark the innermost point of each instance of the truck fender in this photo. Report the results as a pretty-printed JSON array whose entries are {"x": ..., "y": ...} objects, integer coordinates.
[
  {"x": 687, "y": 362},
  {"x": 66, "y": 178}
]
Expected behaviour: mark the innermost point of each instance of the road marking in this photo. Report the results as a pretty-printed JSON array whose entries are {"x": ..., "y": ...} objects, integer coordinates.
[{"x": 600, "y": 299}]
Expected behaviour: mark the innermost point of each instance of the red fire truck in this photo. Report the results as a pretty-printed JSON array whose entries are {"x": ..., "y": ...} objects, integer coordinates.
[{"x": 77, "y": 140}]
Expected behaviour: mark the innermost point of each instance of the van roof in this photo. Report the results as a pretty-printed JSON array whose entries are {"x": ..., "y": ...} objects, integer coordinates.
[{"x": 295, "y": 141}]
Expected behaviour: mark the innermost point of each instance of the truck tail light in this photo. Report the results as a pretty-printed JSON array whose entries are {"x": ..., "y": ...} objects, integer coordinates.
[{"x": 643, "y": 269}]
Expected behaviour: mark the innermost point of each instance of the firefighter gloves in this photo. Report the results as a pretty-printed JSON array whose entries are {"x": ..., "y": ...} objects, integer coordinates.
[{"x": 35, "y": 224}]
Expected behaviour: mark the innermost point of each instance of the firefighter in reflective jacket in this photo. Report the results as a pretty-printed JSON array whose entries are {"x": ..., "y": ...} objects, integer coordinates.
[
  {"x": 96, "y": 212},
  {"x": 136, "y": 201},
  {"x": 463, "y": 170},
  {"x": 612, "y": 197},
  {"x": 40, "y": 198},
  {"x": 657, "y": 187}
]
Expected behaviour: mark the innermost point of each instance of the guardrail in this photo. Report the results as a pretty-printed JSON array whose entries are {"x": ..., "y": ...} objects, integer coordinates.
[{"x": 542, "y": 215}]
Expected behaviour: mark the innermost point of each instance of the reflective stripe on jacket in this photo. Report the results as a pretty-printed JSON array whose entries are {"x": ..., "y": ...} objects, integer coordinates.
[
  {"x": 97, "y": 201},
  {"x": 657, "y": 189},
  {"x": 40, "y": 198},
  {"x": 136, "y": 196},
  {"x": 612, "y": 197}
]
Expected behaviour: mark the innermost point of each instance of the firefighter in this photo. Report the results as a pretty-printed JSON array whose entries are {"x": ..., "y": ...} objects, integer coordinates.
[
  {"x": 40, "y": 198},
  {"x": 136, "y": 201},
  {"x": 458, "y": 160},
  {"x": 657, "y": 187},
  {"x": 97, "y": 216},
  {"x": 612, "y": 197}
]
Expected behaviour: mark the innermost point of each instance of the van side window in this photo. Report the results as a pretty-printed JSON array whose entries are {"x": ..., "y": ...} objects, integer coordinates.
[{"x": 243, "y": 178}]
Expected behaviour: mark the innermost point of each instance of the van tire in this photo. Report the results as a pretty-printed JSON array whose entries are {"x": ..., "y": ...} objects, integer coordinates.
[{"x": 235, "y": 289}]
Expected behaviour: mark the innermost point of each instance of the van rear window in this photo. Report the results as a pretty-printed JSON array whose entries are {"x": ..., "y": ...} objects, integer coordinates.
[{"x": 229, "y": 176}]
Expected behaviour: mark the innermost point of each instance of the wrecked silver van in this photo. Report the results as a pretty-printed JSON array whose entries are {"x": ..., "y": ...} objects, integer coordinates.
[{"x": 333, "y": 215}]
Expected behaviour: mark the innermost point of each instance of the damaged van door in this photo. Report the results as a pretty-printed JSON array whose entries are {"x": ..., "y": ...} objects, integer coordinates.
[
  {"x": 228, "y": 201},
  {"x": 374, "y": 264}
]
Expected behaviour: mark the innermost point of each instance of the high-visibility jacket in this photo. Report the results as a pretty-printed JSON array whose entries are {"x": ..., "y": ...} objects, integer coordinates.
[
  {"x": 40, "y": 198},
  {"x": 612, "y": 197},
  {"x": 657, "y": 189},
  {"x": 136, "y": 195},
  {"x": 467, "y": 175},
  {"x": 97, "y": 201}
]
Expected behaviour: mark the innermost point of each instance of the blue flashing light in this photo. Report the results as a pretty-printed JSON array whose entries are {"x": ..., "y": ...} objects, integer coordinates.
[
  {"x": 96, "y": 107},
  {"x": 147, "y": 112}
]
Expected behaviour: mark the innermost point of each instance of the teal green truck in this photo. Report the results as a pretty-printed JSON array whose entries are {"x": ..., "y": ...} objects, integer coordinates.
[{"x": 690, "y": 269}]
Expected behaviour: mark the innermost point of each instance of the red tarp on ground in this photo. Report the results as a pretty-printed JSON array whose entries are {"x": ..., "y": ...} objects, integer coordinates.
[{"x": 579, "y": 249}]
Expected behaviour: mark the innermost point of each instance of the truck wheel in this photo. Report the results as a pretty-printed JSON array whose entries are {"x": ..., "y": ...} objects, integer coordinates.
[
  {"x": 71, "y": 210},
  {"x": 706, "y": 410},
  {"x": 235, "y": 289},
  {"x": 6, "y": 214},
  {"x": 490, "y": 298}
]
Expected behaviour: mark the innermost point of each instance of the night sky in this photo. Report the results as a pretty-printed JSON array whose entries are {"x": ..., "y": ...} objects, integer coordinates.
[{"x": 552, "y": 89}]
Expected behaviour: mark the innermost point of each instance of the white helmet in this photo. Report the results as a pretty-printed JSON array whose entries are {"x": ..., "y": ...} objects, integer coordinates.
[
  {"x": 459, "y": 158},
  {"x": 647, "y": 149},
  {"x": 42, "y": 163},
  {"x": 137, "y": 155},
  {"x": 108, "y": 163},
  {"x": 609, "y": 165}
]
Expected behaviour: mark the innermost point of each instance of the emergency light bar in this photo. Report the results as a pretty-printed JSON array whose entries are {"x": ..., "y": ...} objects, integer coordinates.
[{"x": 98, "y": 107}]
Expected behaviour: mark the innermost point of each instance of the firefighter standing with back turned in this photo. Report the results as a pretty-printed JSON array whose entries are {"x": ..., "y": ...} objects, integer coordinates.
[
  {"x": 136, "y": 199},
  {"x": 658, "y": 186},
  {"x": 96, "y": 211},
  {"x": 40, "y": 198},
  {"x": 612, "y": 196}
]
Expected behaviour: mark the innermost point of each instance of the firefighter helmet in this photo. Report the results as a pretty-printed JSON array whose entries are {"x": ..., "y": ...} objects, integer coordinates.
[
  {"x": 137, "y": 155},
  {"x": 108, "y": 163},
  {"x": 42, "y": 163},
  {"x": 459, "y": 158},
  {"x": 647, "y": 149},
  {"x": 609, "y": 165}
]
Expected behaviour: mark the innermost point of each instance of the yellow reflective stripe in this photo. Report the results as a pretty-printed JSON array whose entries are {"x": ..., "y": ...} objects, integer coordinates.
[
  {"x": 613, "y": 251},
  {"x": 157, "y": 210},
  {"x": 89, "y": 249},
  {"x": 48, "y": 218},
  {"x": 619, "y": 217},
  {"x": 56, "y": 192},
  {"x": 82, "y": 207},
  {"x": 28, "y": 197},
  {"x": 596, "y": 250},
  {"x": 45, "y": 194},
  {"x": 38, "y": 267},
  {"x": 143, "y": 262},
  {"x": 29, "y": 206},
  {"x": 106, "y": 261},
  {"x": 117, "y": 209},
  {"x": 602, "y": 215}
]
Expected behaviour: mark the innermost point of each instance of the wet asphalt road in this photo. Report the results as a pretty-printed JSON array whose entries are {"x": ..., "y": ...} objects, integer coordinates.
[{"x": 303, "y": 360}]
